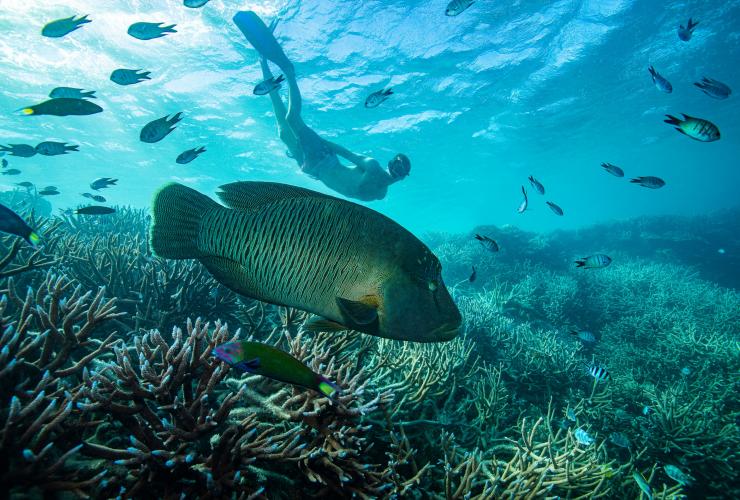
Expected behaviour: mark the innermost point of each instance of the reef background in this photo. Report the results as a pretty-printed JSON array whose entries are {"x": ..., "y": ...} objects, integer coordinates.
[{"x": 107, "y": 386}]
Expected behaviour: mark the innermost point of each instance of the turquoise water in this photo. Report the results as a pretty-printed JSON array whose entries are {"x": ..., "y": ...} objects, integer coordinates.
[{"x": 482, "y": 100}]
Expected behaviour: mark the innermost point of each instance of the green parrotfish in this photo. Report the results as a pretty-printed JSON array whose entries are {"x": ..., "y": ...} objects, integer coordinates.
[
  {"x": 349, "y": 265},
  {"x": 262, "y": 359},
  {"x": 63, "y": 106}
]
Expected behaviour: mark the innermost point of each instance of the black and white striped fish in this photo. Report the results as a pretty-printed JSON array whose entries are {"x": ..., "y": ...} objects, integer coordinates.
[
  {"x": 714, "y": 88},
  {"x": 597, "y": 261},
  {"x": 698, "y": 129},
  {"x": 349, "y": 265},
  {"x": 487, "y": 243},
  {"x": 598, "y": 372}
]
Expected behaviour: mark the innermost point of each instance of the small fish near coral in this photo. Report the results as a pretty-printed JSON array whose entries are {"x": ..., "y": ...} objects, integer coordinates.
[
  {"x": 598, "y": 261},
  {"x": 261, "y": 359}
]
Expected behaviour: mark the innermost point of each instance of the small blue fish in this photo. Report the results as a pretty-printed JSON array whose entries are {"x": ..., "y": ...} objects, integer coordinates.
[
  {"x": 537, "y": 185},
  {"x": 11, "y": 171},
  {"x": 583, "y": 437},
  {"x": 678, "y": 475},
  {"x": 684, "y": 34},
  {"x": 194, "y": 4},
  {"x": 473, "y": 276},
  {"x": 714, "y": 89},
  {"x": 53, "y": 148},
  {"x": 570, "y": 414},
  {"x": 660, "y": 82},
  {"x": 613, "y": 169},
  {"x": 585, "y": 336},
  {"x": 646, "y": 410},
  {"x": 158, "y": 129},
  {"x": 102, "y": 183},
  {"x": 457, "y": 7},
  {"x": 649, "y": 182},
  {"x": 598, "y": 261},
  {"x": 61, "y": 27},
  {"x": 96, "y": 197},
  {"x": 124, "y": 76},
  {"x": 266, "y": 86},
  {"x": 376, "y": 98},
  {"x": 4, "y": 163},
  {"x": 189, "y": 155},
  {"x": 150, "y": 31},
  {"x": 72, "y": 93},
  {"x": 555, "y": 209},
  {"x": 20, "y": 150}
]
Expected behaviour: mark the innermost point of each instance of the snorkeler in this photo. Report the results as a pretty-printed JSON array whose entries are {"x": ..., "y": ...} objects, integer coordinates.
[{"x": 317, "y": 157}]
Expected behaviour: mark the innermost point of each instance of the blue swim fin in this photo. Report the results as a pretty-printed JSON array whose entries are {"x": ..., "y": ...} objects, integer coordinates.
[{"x": 261, "y": 38}]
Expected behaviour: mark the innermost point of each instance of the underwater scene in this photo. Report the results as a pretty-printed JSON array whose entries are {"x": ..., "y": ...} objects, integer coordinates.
[{"x": 437, "y": 249}]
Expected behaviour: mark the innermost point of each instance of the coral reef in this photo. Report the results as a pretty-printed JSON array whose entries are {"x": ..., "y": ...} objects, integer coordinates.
[{"x": 108, "y": 387}]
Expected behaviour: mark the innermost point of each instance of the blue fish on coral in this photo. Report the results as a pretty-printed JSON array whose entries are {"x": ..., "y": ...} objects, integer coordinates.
[
  {"x": 262, "y": 359},
  {"x": 150, "y": 31},
  {"x": 62, "y": 27}
]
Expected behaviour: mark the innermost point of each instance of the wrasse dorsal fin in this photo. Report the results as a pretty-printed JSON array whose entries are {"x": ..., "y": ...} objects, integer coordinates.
[
  {"x": 252, "y": 196},
  {"x": 360, "y": 312}
]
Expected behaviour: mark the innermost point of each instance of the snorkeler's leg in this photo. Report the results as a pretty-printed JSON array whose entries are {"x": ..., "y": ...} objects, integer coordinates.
[
  {"x": 284, "y": 131},
  {"x": 262, "y": 39}
]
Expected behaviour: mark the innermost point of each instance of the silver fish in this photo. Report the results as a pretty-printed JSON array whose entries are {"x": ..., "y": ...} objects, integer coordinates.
[
  {"x": 555, "y": 209},
  {"x": 696, "y": 128},
  {"x": 287, "y": 245},
  {"x": 61, "y": 27},
  {"x": 684, "y": 34},
  {"x": 456, "y": 7},
  {"x": 487, "y": 243},
  {"x": 597, "y": 261},
  {"x": 150, "y": 31},
  {"x": 123, "y": 76},
  {"x": 613, "y": 169},
  {"x": 525, "y": 202},
  {"x": 537, "y": 185},
  {"x": 158, "y": 129},
  {"x": 266, "y": 86},
  {"x": 376, "y": 98},
  {"x": 714, "y": 88},
  {"x": 649, "y": 182},
  {"x": 660, "y": 82}
]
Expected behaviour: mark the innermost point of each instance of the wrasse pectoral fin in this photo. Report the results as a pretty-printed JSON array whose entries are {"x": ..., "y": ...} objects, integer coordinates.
[
  {"x": 248, "y": 365},
  {"x": 361, "y": 312},
  {"x": 319, "y": 324}
]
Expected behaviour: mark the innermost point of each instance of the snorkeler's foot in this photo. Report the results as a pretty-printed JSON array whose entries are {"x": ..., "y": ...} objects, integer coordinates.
[{"x": 262, "y": 39}]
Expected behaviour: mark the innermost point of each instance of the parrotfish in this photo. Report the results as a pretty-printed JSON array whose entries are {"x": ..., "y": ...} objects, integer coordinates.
[
  {"x": 696, "y": 128},
  {"x": 678, "y": 475},
  {"x": 597, "y": 261},
  {"x": 158, "y": 129},
  {"x": 72, "y": 93},
  {"x": 63, "y": 106},
  {"x": 53, "y": 148},
  {"x": 194, "y": 4},
  {"x": 525, "y": 202},
  {"x": 102, "y": 182},
  {"x": 94, "y": 210},
  {"x": 10, "y": 222},
  {"x": 150, "y": 31},
  {"x": 714, "y": 88},
  {"x": 456, "y": 7},
  {"x": 644, "y": 486},
  {"x": 537, "y": 185},
  {"x": 613, "y": 169},
  {"x": 61, "y": 27},
  {"x": 266, "y": 86},
  {"x": 660, "y": 82},
  {"x": 376, "y": 98},
  {"x": 21, "y": 150},
  {"x": 295, "y": 247},
  {"x": 555, "y": 209},
  {"x": 189, "y": 155},
  {"x": 487, "y": 243},
  {"x": 649, "y": 182},
  {"x": 262, "y": 359},
  {"x": 685, "y": 33},
  {"x": 124, "y": 76}
]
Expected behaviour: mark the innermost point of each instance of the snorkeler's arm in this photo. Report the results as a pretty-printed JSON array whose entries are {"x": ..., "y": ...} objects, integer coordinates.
[{"x": 359, "y": 160}]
